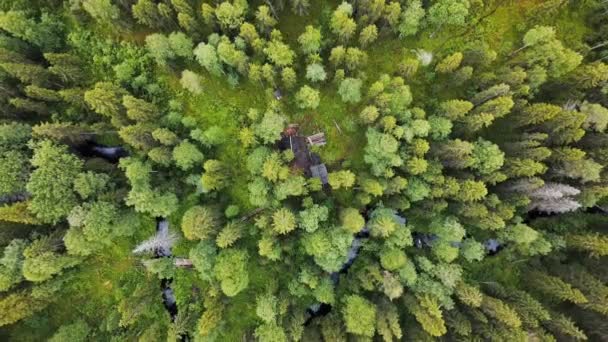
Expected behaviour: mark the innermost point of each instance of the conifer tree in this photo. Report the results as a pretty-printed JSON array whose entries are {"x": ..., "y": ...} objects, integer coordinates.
[
  {"x": 359, "y": 316},
  {"x": 556, "y": 288},
  {"x": 500, "y": 311},
  {"x": 199, "y": 222},
  {"x": 595, "y": 244}
]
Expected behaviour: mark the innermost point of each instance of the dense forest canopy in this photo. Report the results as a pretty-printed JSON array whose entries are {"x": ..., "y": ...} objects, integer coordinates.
[{"x": 303, "y": 170}]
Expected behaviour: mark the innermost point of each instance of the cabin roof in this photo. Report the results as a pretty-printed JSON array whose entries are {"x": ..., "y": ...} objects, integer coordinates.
[
  {"x": 317, "y": 139},
  {"x": 320, "y": 171},
  {"x": 492, "y": 245}
]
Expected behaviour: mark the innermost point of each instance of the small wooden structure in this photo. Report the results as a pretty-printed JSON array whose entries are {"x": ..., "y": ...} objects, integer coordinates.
[
  {"x": 182, "y": 262},
  {"x": 320, "y": 171},
  {"x": 291, "y": 130},
  {"x": 317, "y": 139}
]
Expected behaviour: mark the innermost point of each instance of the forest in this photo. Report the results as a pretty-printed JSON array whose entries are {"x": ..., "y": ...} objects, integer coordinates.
[{"x": 303, "y": 170}]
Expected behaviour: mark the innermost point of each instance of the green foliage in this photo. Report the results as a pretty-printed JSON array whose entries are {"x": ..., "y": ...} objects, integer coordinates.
[
  {"x": 191, "y": 81},
  {"x": 381, "y": 153},
  {"x": 487, "y": 157},
  {"x": 47, "y": 33},
  {"x": 279, "y": 53},
  {"x": 428, "y": 314},
  {"x": 448, "y": 12},
  {"x": 315, "y": 72},
  {"x": 307, "y": 98},
  {"x": 186, "y": 155},
  {"x": 11, "y": 264},
  {"x": 77, "y": 332},
  {"x": 230, "y": 270},
  {"x": 51, "y": 182},
  {"x": 557, "y": 288},
  {"x": 142, "y": 196},
  {"x": 329, "y": 247},
  {"x": 105, "y": 99},
  {"x": 14, "y": 171},
  {"x": 229, "y": 235},
  {"x": 350, "y": 90},
  {"x": 359, "y": 316},
  {"x": 595, "y": 244},
  {"x": 89, "y": 184},
  {"x": 368, "y": 35},
  {"x": 163, "y": 268},
  {"x": 266, "y": 307},
  {"x": 311, "y": 218},
  {"x": 207, "y": 56},
  {"x": 411, "y": 19},
  {"x": 270, "y": 332},
  {"x": 310, "y": 40},
  {"x": 203, "y": 258},
  {"x": 341, "y": 179},
  {"x": 351, "y": 220},
  {"x": 42, "y": 263},
  {"x": 500, "y": 311},
  {"x": 270, "y": 128},
  {"x": 283, "y": 221},
  {"x": 449, "y": 64},
  {"x": 199, "y": 222},
  {"x": 342, "y": 25}
]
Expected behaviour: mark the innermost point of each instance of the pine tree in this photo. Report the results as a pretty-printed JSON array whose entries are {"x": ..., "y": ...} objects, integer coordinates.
[
  {"x": 595, "y": 244},
  {"x": 231, "y": 270},
  {"x": 186, "y": 155},
  {"x": 19, "y": 213},
  {"x": 300, "y": 7},
  {"x": 211, "y": 318},
  {"x": 427, "y": 313},
  {"x": 563, "y": 325},
  {"x": 593, "y": 288},
  {"x": 310, "y": 40},
  {"x": 387, "y": 321},
  {"x": 30, "y": 106},
  {"x": 368, "y": 35},
  {"x": 105, "y": 99},
  {"x": 556, "y": 288},
  {"x": 67, "y": 133},
  {"x": 450, "y": 63},
  {"x": 67, "y": 67},
  {"x": 42, "y": 94},
  {"x": 283, "y": 221},
  {"x": 264, "y": 19},
  {"x": 359, "y": 316},
  {"x": 469, "y": 295},
  {"x": 199, "y": 222},
  {"x": 342, "y": 25},
  {"x": 28, "y": 73},
  {"x": 391, "y": 286},
  {"x": 229, "y": 235},
  {"x": 500, "y": 311},
  {"x": 458, "y": 323},
  {"x": 139, "y": 136},
  {"x": 146, "y": 12},
  {"x": 266, "y": 307}
]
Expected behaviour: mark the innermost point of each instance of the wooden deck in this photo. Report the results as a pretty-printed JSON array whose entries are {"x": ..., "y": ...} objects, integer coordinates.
[{"x": 305, "y": 161}]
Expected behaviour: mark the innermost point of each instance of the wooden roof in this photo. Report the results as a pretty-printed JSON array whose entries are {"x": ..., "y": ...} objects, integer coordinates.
[{"x": 320, "y": 171}]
